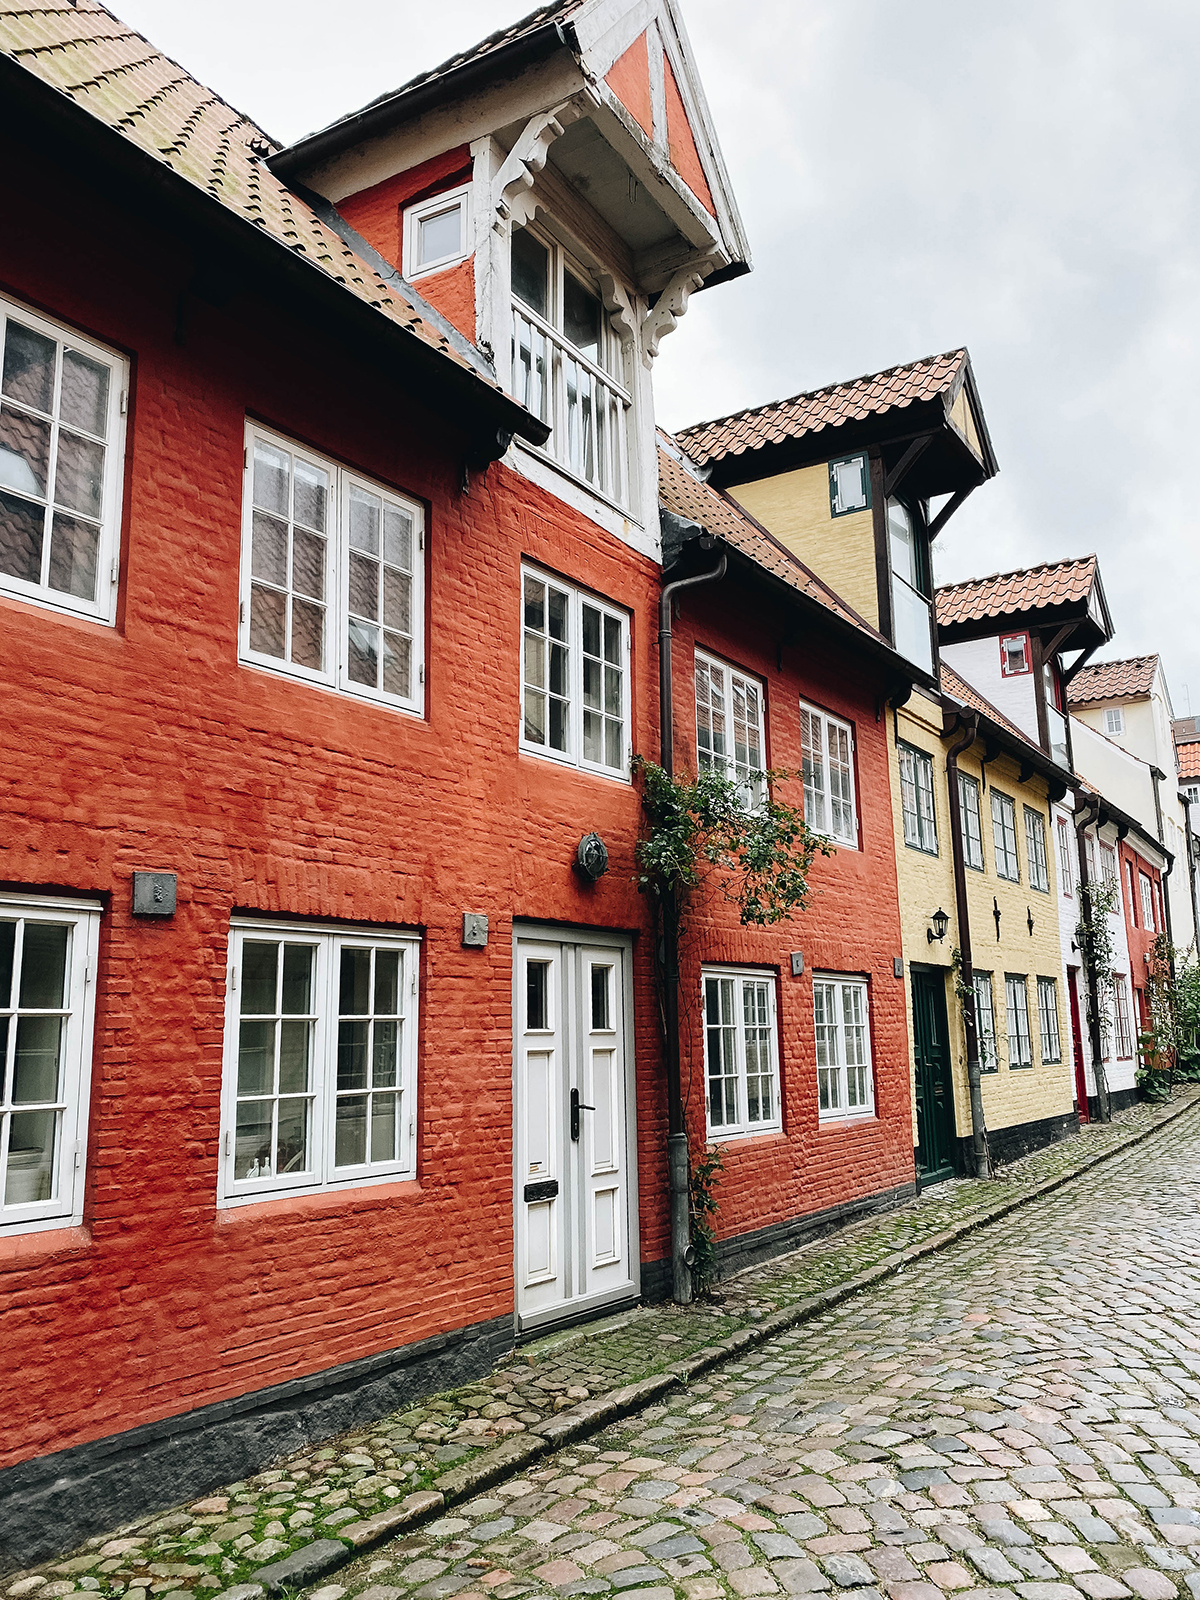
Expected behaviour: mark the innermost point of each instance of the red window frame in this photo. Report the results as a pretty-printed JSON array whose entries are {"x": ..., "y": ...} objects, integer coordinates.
[{"x": 1015, "y": 672}]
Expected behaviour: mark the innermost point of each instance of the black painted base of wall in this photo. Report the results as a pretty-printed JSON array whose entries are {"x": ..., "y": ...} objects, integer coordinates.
[
  {"x": 777, "y": 1238},
  {"x": 1118, "y": 1100},
  {"x": 55, "y": 1502},
  {"x": 1022, "y": 1139}
]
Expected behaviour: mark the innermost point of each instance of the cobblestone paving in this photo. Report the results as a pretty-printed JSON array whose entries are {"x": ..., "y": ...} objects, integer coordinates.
[
  {"x": 219, "y": 1541},
  {"x": 1018, "y": 1416}
]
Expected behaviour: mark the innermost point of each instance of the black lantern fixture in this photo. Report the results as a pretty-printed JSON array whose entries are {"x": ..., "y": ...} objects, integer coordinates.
[
  {"x": 940, "y": 923},
  {"x": 591, "y": 859}
]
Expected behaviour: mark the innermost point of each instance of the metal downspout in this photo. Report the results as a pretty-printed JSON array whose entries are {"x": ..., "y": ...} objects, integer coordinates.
[
  {"x": 979, "y": 1149},
  {"x": 677, "y": 1146},
  {"x": 1083, "y": 821},
  {"x": 1156, "y": 777}
]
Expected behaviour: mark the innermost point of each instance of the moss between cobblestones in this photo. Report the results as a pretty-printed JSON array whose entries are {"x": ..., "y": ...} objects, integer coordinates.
[{"x": 564, "y": 1388}]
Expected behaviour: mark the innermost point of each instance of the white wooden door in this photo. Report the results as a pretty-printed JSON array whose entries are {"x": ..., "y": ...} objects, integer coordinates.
[{"x": 573, "y": 1101}]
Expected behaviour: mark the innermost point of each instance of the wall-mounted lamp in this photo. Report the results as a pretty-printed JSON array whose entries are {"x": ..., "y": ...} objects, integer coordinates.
[{"x": 940, "y": 923}]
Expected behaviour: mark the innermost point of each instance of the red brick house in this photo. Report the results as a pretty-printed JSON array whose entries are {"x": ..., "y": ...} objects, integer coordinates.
[{"x": 330, "y": 602}]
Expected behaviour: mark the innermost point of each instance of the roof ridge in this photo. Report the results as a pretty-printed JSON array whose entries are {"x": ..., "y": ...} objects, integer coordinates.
[
  {"x": 1016, "y": 572},
  {"x": 826, "y": 388}
]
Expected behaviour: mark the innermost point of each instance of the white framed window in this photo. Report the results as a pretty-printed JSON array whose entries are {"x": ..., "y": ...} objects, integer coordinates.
[
  {"x": 972, "y": 822},
  {"x": 1191, "y": 793},
  {"x": 333, "y": 579},
  {"x": 849, "y": 485},
  {"x": 1015, "y": 656},
  {"x": 569, "y": 364},
  {"x": 62, "y": 450},
  {"x": 47, "y": 987},
  {"x": 841, "y": 1018},
  {"x": 827, "y": 762},
  {"x": 574, "y": 676},
  {"x": 1047, "y": 993},
  {"x": 1089, "y": 850},
  {"x": 729, "y": 727},
  {"x": 916, "y": 799},
  {"x": 1016, "y": 1001},
  {"x": 985, "y": 1023},
  {"x": 740, "y": 1052},
  {"x": 1123, "y": 1030},
  {"x": 320, "y": 1059},
  {"x": 437, "y": 232},
  {"x": 1004, "y": 837},
  {"x": 1066, "y": 871},
  {"x": 1035, "y": 850},
  {"x": 1108, "y": 865},
  {"x": 1147, "y": 891},
  {"x": 1114, "y": 720}
]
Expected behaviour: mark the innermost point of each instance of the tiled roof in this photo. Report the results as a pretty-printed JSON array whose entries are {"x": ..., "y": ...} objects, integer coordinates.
[
  {"x": 79, "y": 48},
  {"x": 1054, "y": 583},
  {"x": 1189, "y": 760},
  {"x": 1109, "y": 680},
  {"x": 681, "y": 491},
  {"x": 822, "y": 408},
  {"x": 960, "y": 689},
  {"x": 557, "y": 11}
]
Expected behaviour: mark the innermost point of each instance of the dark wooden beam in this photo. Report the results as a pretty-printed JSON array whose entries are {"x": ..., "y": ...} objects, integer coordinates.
[
  {"x": 896, "y": 476},
  {"x": 947, "y": 511}
]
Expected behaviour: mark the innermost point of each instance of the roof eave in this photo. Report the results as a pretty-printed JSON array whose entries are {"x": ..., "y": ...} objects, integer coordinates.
[
  {"x": 390, "y": 111},
  {"x": 27, "y": 99},
  {"x": 1012, "y": 745}
]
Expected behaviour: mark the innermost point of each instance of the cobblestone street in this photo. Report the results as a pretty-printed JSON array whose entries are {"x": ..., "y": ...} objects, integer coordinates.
[
  {"x": 1019, "y": 1415},
  {"x": 1040, "y": 1371}
]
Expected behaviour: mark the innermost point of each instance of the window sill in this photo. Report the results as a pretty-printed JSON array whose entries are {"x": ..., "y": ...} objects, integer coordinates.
[
  {"x": 745, "y": 1135},
  {"x": 921, "y": 849},
  {"x": 30, "y": 1240},
  {"x": 247, "y": 1208},
  {"x": 849, "y": 1119},
  {"x": 565, "y": 764},
  {"x": 258, "y": 664}
]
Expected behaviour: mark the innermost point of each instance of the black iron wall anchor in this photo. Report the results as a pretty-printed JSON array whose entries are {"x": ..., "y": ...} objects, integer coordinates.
[
  {"x": 996, "y": 914},
  {"x": 1029, "y": 919}
]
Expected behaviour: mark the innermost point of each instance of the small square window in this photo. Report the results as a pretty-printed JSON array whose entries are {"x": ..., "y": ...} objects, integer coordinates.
[
  {"x": 437, "y": 232},
  {"x": 1114, "y": 720},
  {"x": 849, "y": 486},
  {"x": 1014, "y": 655}
]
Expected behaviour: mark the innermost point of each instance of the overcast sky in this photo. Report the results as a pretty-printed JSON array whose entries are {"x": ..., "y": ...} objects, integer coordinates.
[{"x": 1020, "y": 179}]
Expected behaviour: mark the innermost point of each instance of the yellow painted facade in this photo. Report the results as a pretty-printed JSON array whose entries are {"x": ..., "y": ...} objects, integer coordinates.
[
  {"x": 1011, "y": 1096},
  {"x": 794, "y": 506}
]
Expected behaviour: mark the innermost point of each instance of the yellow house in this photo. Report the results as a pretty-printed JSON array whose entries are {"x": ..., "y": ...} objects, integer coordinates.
[{"x": 1002, "y": 837}]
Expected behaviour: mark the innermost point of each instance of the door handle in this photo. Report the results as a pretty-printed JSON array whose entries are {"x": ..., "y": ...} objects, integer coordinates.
[{"x": 577, "y": 1106}]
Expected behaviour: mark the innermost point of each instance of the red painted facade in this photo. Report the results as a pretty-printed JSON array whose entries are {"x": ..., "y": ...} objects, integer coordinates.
[{"x": 1140, "y": 937}]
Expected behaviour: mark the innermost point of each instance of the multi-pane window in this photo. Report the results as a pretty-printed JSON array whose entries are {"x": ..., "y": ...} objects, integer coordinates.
[
  {"x": 972, "y": 823},
  {"x": 1016, "y": 999},
  {"x": 568, "y": 364},
  {"x": 985, "y": 1023},
  {"x": 320, "y": 1059},
  {"x": 845, "y": 1085},
  {"x": 1133, "y": 911},
  {"x": 332, "y": 575},
  {"x": 916, "y": 799},
  {"x": 574, "y": 676},
  {"x": 61, "y": 449},
  {"x": 729, "y": 726},
  {"x": 1108, "y": 866},
  {"x": 1124, "y": 1031},
  {"x": 1035, "y": 850},
  {"x": 908, "y": 544},
  {"x": 1004, "y": 837},
  {"x": 1147, "y": 902},
  {"x": 1066, "y": 873},
  {"x": 827, "y": 752},
  {"x": 47, "y": 968},
  {"x": 1114, "y": 720},
  {"x": 1047, "y": 994},
  {"x": 1014, "y": 654},
  {"x": 740, "y": 1052}
]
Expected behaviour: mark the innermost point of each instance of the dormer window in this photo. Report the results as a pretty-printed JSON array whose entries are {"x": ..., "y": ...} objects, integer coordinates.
[
  {"x": 1114, "y": 720},
  {"x": 910, "y": 606},
  {"x": 849, "y": 486},
  {"x": 436, "y": 233},
  {"x": 1015, "y": 655},
  {"x": 567, "y": 362}
]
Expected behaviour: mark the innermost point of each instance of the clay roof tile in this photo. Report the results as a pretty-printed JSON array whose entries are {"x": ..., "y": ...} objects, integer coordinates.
[
  {"x": 1028, "y": 589},
  {"x": 1110, "y": 680}
]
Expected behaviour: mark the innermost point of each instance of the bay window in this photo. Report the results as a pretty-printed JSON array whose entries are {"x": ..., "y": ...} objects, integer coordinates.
[
  {"x": 568, "y": 364},
  {"x": 320, "y": 1059},
  {"x": 47, "y": 983},
  {"x": 62, "y": 403},
  {"x": 332, "y": 575}
]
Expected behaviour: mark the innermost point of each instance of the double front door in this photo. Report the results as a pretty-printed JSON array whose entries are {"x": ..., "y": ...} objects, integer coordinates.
[
  {"x": 934, "y": 1090},
  {"x": 574, "y": 1111}
]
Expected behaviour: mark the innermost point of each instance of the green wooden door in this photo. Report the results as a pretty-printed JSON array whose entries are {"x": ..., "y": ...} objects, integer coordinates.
[{"x": 935, "y": 1095}]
